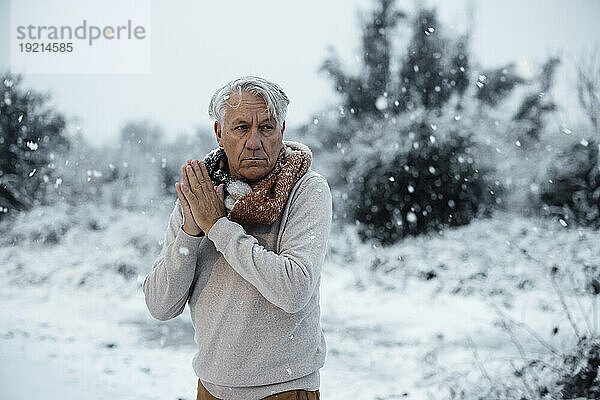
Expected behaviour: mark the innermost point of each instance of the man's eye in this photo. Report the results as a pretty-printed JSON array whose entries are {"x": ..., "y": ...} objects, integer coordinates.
[
  {"x": 240, "y": 127},
  {"x": 268, "y": 127}
]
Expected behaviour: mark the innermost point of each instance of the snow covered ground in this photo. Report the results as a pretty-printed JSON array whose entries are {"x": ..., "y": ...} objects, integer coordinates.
[{"x": 407, "y": 321}]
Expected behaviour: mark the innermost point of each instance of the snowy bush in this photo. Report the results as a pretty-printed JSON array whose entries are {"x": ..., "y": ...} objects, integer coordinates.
[
  {"x": 580, "y": 377},
  {"x": 571, "y": 189},
  {"x": 424, "y": 180},
  {"x": 570, "y": 374},
  {"x": 568, "y": 366}
]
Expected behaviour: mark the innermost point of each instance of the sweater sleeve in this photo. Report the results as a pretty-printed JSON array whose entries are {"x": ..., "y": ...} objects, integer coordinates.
[
  {"x": 287, "y": 279},
  {"x": 167, "y": 285}
]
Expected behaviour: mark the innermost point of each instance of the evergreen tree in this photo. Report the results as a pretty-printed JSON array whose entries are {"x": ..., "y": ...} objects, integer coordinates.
[
  {"x": 31, "y": 137},
  {"x": 360, "y": 93},
  {"x": 433, "y": 68},
  {"x": 496, "y": 84},
  {"x": 536, "y": 105}
]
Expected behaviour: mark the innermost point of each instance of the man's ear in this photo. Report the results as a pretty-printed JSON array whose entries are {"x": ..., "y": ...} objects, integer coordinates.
[
  {"x": 283, "y": 127},
  {"x": 219, "y": 133}
]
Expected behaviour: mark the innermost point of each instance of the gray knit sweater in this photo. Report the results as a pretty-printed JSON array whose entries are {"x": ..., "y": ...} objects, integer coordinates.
[{"x": 253, "y": 294}]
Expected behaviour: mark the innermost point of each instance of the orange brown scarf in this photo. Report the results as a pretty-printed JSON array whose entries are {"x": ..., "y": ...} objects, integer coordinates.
[{"x": 261, "y": 201}]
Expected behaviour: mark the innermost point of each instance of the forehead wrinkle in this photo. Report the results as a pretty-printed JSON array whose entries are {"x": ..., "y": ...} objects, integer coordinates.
[
  {"x": 248, "y": 100},
  {"x": 250, "y": 115}
]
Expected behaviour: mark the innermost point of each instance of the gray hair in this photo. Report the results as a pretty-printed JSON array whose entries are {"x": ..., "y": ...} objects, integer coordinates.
[{"x": 275, "y": 98}]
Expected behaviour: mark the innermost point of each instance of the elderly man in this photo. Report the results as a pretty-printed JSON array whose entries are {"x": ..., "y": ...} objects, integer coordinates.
[{"x": 244, "y": 248}]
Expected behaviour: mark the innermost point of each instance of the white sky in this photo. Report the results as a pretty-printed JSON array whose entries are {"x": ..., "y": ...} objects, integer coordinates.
[{"x": 199, "y": 45}]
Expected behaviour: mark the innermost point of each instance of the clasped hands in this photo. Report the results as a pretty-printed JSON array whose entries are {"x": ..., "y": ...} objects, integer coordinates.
[{"x": 201, "y": 202}]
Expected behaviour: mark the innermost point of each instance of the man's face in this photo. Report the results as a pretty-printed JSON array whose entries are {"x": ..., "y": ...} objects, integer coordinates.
[{"x": 250, "y": 137}]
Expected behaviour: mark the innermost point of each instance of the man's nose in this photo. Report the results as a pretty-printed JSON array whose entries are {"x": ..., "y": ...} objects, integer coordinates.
[{"x": 254, "y": 140}]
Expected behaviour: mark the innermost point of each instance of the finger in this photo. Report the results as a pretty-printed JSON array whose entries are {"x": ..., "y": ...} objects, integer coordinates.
[
  {"x": 196, "y": 180},
  {"x": 193, "y": 184},
  {"x": 179, "y": 195},
  {"x": 205, "y": 180},
  {"x": 188, "y": 194},
  {"x": 185, "y": 206},
  {"x": 196, "y": 169},
  {"x": 184, "y": 177}
]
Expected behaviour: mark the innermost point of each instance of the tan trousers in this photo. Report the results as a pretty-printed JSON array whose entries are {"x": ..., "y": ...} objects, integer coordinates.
[{"x": 204, "y": 394}]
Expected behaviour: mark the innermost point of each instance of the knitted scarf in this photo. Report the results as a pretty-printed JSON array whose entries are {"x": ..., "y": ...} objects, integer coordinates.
[{"x": 262, "y": 201}]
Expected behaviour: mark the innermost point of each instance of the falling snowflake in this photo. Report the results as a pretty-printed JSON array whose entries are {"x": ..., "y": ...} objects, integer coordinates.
[
  {"x": 381, "y": 103},
  {"x": 184, "y": 250},
  {"x": 562, "y": 222}
]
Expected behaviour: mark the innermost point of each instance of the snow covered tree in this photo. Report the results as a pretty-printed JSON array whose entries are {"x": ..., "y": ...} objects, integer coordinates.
[
  {"x": 404, "y": 103},
  {"x": 588, "y": 87},
  {"x": 362, "y": 92},
  {"x": 31, "y": 137},
  {"x": 433, "y": 68},
  {"x": 497, "y": 83},
  {"x": 392, "y": 112},
  {"x": 571, "y": 188},
  {"x": 536, "y": 105}
]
